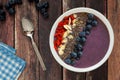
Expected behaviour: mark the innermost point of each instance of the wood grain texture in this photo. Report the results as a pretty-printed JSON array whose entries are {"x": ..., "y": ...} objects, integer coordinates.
[
  {"x": 54, "y": 71},
  {"x": 23, "y": 43},
  {"x": 69, "y": 4},
  {"x": 114, "y": 60},
  {"x": 7, "y": 28},
  {"x": 101, "y": 72}
]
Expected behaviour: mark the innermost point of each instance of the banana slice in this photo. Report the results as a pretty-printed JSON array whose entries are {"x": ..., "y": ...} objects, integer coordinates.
[
  {"x": 67, "y": 27},
  {"x": 70, "y": 37},
  {"x": 64, "y": 41}
]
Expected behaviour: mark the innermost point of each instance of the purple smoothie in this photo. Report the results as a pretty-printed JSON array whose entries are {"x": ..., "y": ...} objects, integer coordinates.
[{"x": 95, "y": 47}]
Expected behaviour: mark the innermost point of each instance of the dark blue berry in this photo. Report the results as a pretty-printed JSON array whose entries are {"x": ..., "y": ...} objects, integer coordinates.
[
  {"x": 43, "y": 10},
  {"x": 82, "y": 34},
  {"x": 68, "y": 61},
  {"x": 77, "y": 39},
  {"x": 89, "y": 21},
  {"x": 8, "y": 6},
  {"x": 12, "y": 2},
  {"x": 2, "y": 18},
  {"x": 94, "y": 23},
  {"x": 72, "y": 62},
  {"x": 79, "y": 53},
  {"x": 36, "y": 1},
  {"x": 18, "y": 1},
  {"x": 39, "y": 6},
  {"x": 90, "y": 16},
  {"x": 79, "y": 47},
  {"x": 82, "y": 40},
  {"x": 46, "y": 4},
  {"x": 11, "y": 11},
  {"x": 2, "y": 12},
  {"x": 45, "y": 15},
  {"x": 73, "y": 54},
  {"x": 88, "y": 27}
]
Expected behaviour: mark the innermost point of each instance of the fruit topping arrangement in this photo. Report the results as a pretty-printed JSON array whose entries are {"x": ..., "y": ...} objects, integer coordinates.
[
  {"x": 71, "y": 35},
  {"x": 10, "y": 8}
]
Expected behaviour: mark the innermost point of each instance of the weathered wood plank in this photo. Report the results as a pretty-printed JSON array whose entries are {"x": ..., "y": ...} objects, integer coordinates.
[
  {"x": 54, "y": 71},
  {"x": 114, "y": 60},
  {"x": 23, "y": 43},
  {"x": 100, "y": 73},
  {"x": 69, "y": 4},
  {"x": 7, "y": 28}
]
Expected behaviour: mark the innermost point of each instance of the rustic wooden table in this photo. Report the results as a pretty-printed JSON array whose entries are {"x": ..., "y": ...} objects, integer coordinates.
[{"x": 11, "y": 33}]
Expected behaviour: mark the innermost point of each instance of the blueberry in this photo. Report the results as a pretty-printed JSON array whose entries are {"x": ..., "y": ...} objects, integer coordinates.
[
  {"x": 79, "y": 53},
  {"x": 89, "y": 21},
  {"x": 43, "y": 10},
  {"x": 77, "y": 39},
  {"x": 18, "y": 1},
  {"x": 94, "y": 23},
  {"x": 87, "y": 32},
  {"x": 79, "y": 47},
  {"x": 68, "y": 61},
  {"x": 72, "y": 62},
  {"x": 2, "y": 18},
  {"x": 7, "y": 6},
  {"x": 88, "y": 27},
  {"x": 2, "y": 12},
  {"x": 45, "y": 15},
  {"x": 11, "y": 2},
  {"x": 82, "y": 40},
  {"x": 90, "y": 16},
  {"x": 11, "y": 11},
  {"x": 82, "y": 34},
  {"x": 39, "y": 6},
  {"x": 73, "y": 54},
  {"x": 46, "y": 4},
  {"x": 36, "y": 1}
]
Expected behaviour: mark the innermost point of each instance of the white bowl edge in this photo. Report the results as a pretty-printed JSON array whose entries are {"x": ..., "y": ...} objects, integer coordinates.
[{"x": 103, "y": 19}]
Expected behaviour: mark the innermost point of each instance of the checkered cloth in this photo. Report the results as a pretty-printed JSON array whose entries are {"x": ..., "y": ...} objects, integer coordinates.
[{"x": 11, "y": 66}]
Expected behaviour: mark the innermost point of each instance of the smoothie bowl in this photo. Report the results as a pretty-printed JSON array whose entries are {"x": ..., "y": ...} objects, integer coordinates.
[{"x": 81, "y": 39}]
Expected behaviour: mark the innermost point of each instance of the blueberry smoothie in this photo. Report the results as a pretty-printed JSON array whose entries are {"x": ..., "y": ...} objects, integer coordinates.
[{"x": 81, "y": 40}]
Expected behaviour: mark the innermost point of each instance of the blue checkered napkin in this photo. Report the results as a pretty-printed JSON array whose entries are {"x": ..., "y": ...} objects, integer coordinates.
[
  {"x": 10, "y": 65},
  {"x": 6, "y": 48}
]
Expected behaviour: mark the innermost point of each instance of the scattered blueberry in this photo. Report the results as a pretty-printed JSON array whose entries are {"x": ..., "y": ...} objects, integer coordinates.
[
  {"x": 12, "y": 2},
  {"x": 78, "y": 47},
  {"x": 2, "y": 12},
  {"x": 11, "y": 11},
  {"x": 2, "y": 18},
  {"x": 8, "y": 6},
  {"x": 18, "y": 1},
  {"x": 45, "y": 15},
  {"x": 36, "y": 1},
  {"x": 94, "y": 23},
  {"x": 73, "y": 54},
  {"x": 79, "y": 53},
  {"x": 46, "y": 4},
  {"x": 90, "y": 16},
  {"x": 68, "y": 61},
  {"x": 43, "y": 10}
]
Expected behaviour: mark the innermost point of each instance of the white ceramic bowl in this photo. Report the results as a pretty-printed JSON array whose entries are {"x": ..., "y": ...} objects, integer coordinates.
[{"x": 110, "y": 32}]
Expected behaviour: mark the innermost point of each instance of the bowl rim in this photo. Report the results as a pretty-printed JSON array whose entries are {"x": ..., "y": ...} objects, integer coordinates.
[{"x": 103, "y": 19}]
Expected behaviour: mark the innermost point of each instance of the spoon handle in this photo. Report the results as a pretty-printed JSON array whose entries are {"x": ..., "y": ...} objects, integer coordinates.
[{"x": 38, "y": 54}]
